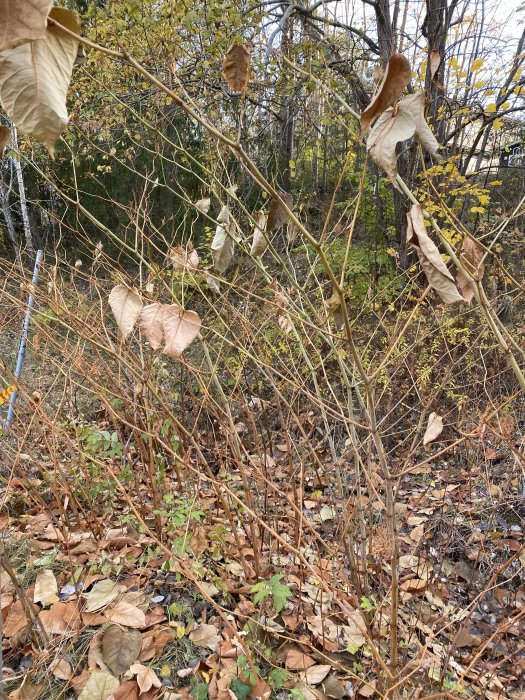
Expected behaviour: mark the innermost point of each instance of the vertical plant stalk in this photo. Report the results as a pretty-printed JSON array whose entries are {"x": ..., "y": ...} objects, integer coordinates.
[
  {"x": 23, "y": 201},
  {"x": 23, "y": 340}
]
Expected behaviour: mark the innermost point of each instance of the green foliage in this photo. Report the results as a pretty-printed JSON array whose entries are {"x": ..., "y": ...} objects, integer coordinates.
[
  {"x": 199, "y": 691},
  {"x": 239, "y": 689},
  {"x": 100, "y": 443},
  {"x": 368, "y": 604},
  {"x": 366, "y": 269},
  {"x": 272, "y": 588},
  {"x": 277, "y": 678}
]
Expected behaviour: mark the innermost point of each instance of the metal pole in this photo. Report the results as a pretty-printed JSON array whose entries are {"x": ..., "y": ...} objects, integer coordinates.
[{"x": 23, "y": 340}]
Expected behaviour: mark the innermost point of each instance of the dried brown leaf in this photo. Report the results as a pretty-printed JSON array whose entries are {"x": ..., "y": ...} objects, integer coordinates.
[
  {"x": 437, "y": 274},
  {"x": 315, "y": 674},
  {"x": 203, "y": 205},
  {"x": 61, "y": 618},
  {"x": 22, "y": 21},
  {"x": 146, "y": 677},
  {"x": 5, "y": 133},
  {"x": 120, "y": 648},
  {"x": 297, "y": 660},
  {"x": 46, "y": 588},
  {"x": 434, "y": 62},
  {"x": 182, "y": 258},
  {"x": 126, "y": 305},
  {"x": 103, "y": 593},
  {"x": 34, "y": 79},
  {"x": 124, "y": 613},
  {"x": 236, "y": 66},
  {"x": 434, "y": 428},
  {"x": 472, "y": 258},
  {"x": 61, "y": 669},
  {"x": 259, "y": 242},
  {"x": 171, "y": 324},
  {"x": 222, "y": 248},
  {"x": 395, "y": 79},
  {"x": 154, "y": 642},
  {"x": 100, "y": 686},
  {"x": 127, "y": 691},
  {"x": 277, "y": 215},
  {"x": 400, "y": 124},
  {"x": 206, "y": 636}
]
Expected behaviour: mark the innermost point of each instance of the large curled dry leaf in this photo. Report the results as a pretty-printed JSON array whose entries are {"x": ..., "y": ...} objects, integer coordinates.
[
  {"x": 126, "y": 305},
  {"x": 5, "y": 133},
  {"x": 472, "y": 259},
  {"x": 434, "y": 60},
  {"x": 259, "y": 242},
  {"x": 224, "y": 215},
  {"x": 395, "y": 79},
  {"x": 34, "y": 79},
  {"x": 222, "y": 249},
  {"x": 212, "y": 283},
  {"x": 400, "y": 124},
  {"x": 120, "y": 648},
  {"x": 434, "y": 428},
  {"x": 236, "y": 66},
  {"x": 22, "y": 21},
  {"x": 437, "y": 273},
  {"x": 415, "y": 105},
  {"x": 100, "y": 686},
  {"x": 277, "y": 215},
  {"x": 169, "y": 324}
]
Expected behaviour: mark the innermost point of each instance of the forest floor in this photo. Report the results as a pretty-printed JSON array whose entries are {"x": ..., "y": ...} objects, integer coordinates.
[{"x": 94, "y": 607}]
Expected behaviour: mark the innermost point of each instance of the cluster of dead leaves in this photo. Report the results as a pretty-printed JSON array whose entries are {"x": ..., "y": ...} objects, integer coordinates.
[
  {"x": 167, "y": 325},
  {"x": 399, "y": 123}
]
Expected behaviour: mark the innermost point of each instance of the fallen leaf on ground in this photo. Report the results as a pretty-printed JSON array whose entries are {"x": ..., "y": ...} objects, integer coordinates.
[
  {"x": 124, "y": 613},
  {"x": 315, "y": 674},
  {"x": 297, "y": 660},
  {"x": 153, "y": 643},
  {"x": 61, "y": 618},
  {"x": 120, "y": 648},
  {"x": 127, "y": 691},
  {"x": 61, "y": 669},
  {"x": 46, "y": 588},
  {"x": 103, "y": 593},
  {"x": 206, "y": 636},
  {"x": 100, "y": 685},
  {"x": 146, "y": 677}
]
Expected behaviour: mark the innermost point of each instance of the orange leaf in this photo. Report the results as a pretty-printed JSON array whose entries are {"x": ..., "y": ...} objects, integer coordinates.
[{"x": 236, "y": 66}]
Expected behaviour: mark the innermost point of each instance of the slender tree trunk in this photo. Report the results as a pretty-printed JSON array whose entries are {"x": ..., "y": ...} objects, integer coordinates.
[
  {"x": 8, "y": 217},
  {"x": 30, "y": 249},
  {"x": 286, "y": 119}
]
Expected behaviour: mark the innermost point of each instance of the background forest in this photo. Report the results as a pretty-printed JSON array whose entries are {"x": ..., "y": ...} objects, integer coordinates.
[{"x": 268, "y": 439}]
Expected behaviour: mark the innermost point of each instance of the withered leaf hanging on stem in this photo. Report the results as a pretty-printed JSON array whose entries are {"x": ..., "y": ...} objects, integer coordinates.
[{"x": 236, "y": 66}]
